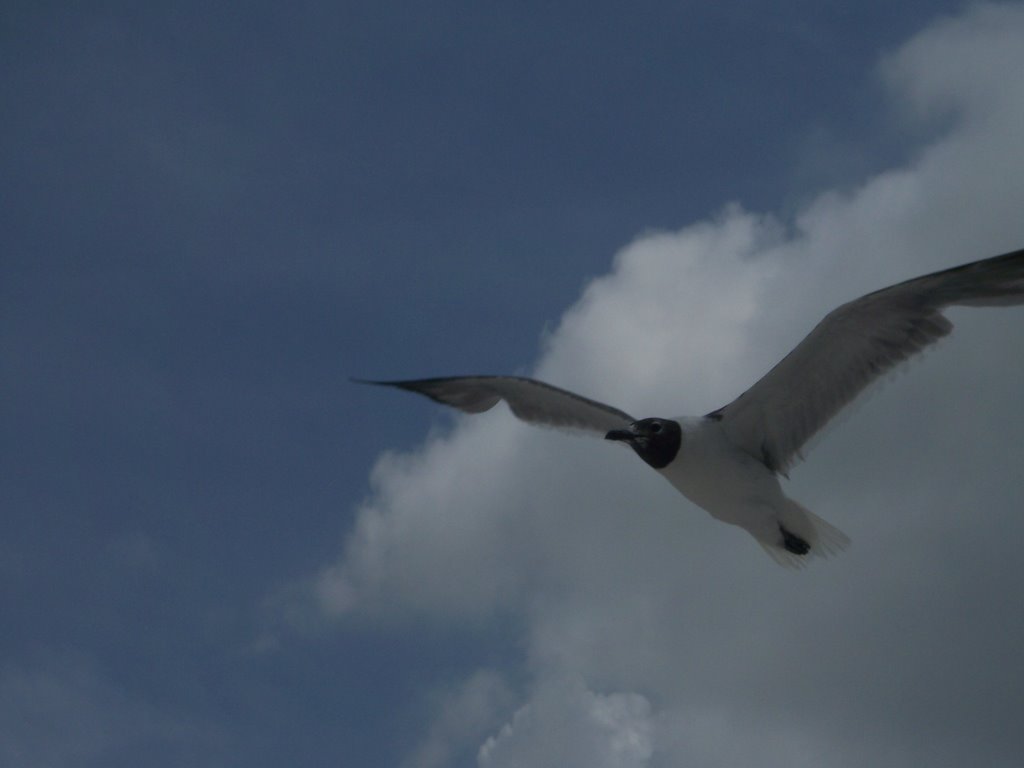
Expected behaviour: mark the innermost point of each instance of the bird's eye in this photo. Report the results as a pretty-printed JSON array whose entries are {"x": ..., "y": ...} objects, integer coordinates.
[{"x": 655, "y": 427}]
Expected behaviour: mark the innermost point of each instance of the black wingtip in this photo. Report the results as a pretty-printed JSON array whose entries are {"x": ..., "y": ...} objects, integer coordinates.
[
  {"x": 378, "y": 383},
  {"x": 415, "y": 385},
  {"x": 409, "y": 385}
]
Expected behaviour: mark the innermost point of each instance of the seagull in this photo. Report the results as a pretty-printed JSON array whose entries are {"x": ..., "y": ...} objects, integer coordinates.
[{"x": 729, "y": 461}]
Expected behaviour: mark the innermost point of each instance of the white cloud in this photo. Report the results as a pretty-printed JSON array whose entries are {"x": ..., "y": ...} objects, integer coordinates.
[
  {"x": 903, "y": 651},
  {"x": 566, "y": 724},
  {"x": 463, "y": 716}
]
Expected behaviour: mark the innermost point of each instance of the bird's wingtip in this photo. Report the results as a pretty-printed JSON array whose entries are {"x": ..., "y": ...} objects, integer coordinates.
[{"x": 374, "y": 382}]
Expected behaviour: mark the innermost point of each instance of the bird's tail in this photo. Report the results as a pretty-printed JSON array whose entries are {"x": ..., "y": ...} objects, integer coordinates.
[{"x": 801, "y": 529}]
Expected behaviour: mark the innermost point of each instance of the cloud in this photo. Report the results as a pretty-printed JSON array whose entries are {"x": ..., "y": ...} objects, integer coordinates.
[
  {"x": 566, "y": 724},
  {"x": 463, "y": 716},
  {"x": 658, "y": 637}
]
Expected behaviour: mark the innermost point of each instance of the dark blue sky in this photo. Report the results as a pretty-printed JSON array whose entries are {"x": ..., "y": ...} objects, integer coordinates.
[{"x": 213, "y": 214}]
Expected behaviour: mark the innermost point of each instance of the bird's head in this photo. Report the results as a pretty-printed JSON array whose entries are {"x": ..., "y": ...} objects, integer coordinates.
[{"x": 656, "y": 441}]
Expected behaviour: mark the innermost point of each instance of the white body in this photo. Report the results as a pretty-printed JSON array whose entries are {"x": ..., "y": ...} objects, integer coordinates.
[{"x": 734, "y": 487}]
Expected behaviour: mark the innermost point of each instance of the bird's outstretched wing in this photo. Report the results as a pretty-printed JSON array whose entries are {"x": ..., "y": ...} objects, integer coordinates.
[
  {"x": 531, "y": 400},
  {"x": 851, "y": 347}
]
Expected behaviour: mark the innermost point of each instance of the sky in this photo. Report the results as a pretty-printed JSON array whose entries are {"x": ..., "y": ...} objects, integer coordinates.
[{"x": 216, "y": 550}]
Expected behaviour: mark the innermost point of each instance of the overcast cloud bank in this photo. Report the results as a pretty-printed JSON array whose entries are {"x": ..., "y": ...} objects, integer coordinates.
[{"x": 654, "y": 636}]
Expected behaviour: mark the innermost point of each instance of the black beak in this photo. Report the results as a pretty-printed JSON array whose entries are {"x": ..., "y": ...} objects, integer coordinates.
[{"x": 625, "y": 435}]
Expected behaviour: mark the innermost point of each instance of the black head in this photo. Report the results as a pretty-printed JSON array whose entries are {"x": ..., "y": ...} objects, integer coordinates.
[{"x": 656, "y": 441}]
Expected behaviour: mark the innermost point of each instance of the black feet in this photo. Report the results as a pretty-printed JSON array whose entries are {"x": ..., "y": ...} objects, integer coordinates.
[{"x": 794, "y": 543}]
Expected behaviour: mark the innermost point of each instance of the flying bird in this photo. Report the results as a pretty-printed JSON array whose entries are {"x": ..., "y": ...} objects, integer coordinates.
[{"x": 729, "y": 461}]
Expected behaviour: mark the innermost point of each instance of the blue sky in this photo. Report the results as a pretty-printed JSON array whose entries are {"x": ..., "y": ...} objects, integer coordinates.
[{"x": 215, "y": 550}]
